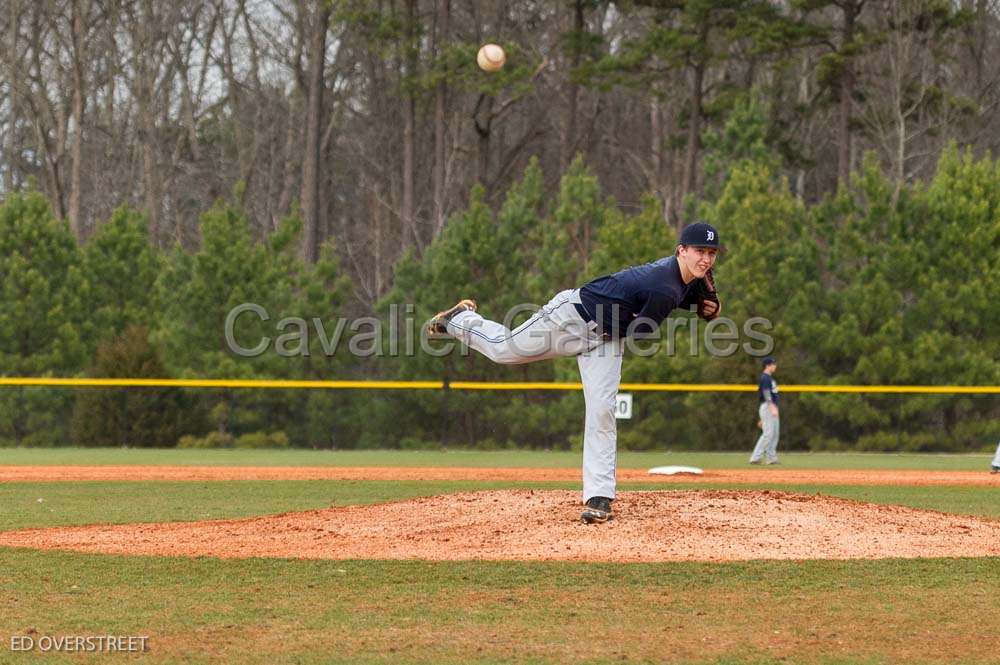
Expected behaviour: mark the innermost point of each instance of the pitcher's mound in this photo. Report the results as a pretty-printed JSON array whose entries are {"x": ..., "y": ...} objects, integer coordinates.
[{"x": 688, "y": 525}]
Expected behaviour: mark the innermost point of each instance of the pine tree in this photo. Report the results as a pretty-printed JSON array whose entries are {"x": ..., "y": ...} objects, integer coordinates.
[
  {"x": 745, "y": 136},
  {"x": 42, "y": 326},
  {"x": 140, "y": 417},
  {"x": 566, "y": 238},
  {"x": 121, "y": 265},
  {"x": 686, "y": 41},
  {"x": 324, "y": 419},
  {"x": 762, "y": 228},
  {"x": 198, "y": 292},
  {"x": 488, "y": 257},
  {"x": 951, "y": 316}
]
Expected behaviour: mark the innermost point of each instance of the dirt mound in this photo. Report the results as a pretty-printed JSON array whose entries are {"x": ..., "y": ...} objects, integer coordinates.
[{"x": 688, "y": 525}]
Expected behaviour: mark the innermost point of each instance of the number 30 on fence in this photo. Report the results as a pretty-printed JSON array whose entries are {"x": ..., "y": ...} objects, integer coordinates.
[{"x": 623, "y": 406}]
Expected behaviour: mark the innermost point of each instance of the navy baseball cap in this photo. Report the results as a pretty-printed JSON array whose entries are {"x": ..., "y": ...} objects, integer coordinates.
[
  {"x": 768, "y": 361},
  {"x": 699, "y": 234}
]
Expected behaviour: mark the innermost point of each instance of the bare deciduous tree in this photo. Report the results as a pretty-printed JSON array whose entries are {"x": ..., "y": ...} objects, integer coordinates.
[
  {"x": 311, "y": 165},
  {"x": 357, "y": 115}
]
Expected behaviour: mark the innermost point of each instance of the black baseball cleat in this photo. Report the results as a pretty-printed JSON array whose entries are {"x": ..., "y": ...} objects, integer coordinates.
[
  {"x": 598, "y": 509},
  {"x": 995, "y": 469},
  {"x": 438, "y": 325}
]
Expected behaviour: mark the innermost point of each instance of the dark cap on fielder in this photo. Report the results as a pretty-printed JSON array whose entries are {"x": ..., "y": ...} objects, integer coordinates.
[
  {"x": 699, "y": 234},
  {"x": 769, "y": 360}
]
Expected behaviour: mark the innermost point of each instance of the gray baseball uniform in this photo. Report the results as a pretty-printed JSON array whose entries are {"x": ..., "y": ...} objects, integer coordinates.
[
  {"x": 557, "y": 330},
  {"x": 767, "y": 444},
  {"x": 590, "y": 323},
  {"x": 996, "y": 460}
]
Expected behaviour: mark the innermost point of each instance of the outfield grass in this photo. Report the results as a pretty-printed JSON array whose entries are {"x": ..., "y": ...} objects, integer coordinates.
[{"x": 465, "y": 458}]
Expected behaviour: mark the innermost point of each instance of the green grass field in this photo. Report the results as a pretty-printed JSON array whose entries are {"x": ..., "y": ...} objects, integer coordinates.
[
  {"x": 465, "y": 458},
  {"x": 206, "y": 610}
]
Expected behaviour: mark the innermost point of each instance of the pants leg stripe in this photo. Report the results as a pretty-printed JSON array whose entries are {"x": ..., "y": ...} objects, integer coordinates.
[{"x": 524, "y": 326}]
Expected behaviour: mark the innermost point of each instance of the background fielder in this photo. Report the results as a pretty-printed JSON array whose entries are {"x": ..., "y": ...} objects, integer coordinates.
[
  {"x": 592, "y": 323},
  {"x": 767, "y": 395}
]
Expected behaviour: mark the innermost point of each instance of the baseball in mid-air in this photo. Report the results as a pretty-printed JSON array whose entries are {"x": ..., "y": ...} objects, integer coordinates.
[{"x": 491, "y": 57}]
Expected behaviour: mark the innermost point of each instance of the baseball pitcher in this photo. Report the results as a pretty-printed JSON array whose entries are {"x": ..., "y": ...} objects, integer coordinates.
[{"x": 591, "y": 323}]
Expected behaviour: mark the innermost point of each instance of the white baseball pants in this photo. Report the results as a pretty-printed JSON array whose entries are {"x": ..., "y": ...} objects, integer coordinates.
[
  {"x": 996, "y": 458},
  {"x": 767, "y": 444},
  {"x": 557, "y": 330}
]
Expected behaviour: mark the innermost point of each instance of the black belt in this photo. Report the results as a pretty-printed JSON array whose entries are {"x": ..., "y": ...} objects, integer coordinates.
[{"x": 582, "y": 311}]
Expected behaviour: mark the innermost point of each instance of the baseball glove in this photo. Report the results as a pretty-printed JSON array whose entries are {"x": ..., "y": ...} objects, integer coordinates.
[{"x": 709, "y": 305}]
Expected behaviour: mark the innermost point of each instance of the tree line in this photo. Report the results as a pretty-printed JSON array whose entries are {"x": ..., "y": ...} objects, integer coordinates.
[
  {"x": 873, "y": 284},
  {"x": 369, "y": 120}
]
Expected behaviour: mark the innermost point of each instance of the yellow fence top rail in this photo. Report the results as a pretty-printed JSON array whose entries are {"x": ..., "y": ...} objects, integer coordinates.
[
  {"x": 219, "y": 383},
  {"x": 479, "y": 385}
]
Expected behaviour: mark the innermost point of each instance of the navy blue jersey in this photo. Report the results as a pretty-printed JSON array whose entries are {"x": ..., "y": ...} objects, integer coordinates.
[
  {"x": 767, "y": 386},
  {"x": 650, "y": 291}
]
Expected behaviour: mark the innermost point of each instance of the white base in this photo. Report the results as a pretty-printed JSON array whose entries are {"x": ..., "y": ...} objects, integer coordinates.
[{"x": 673, "y": 470}]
